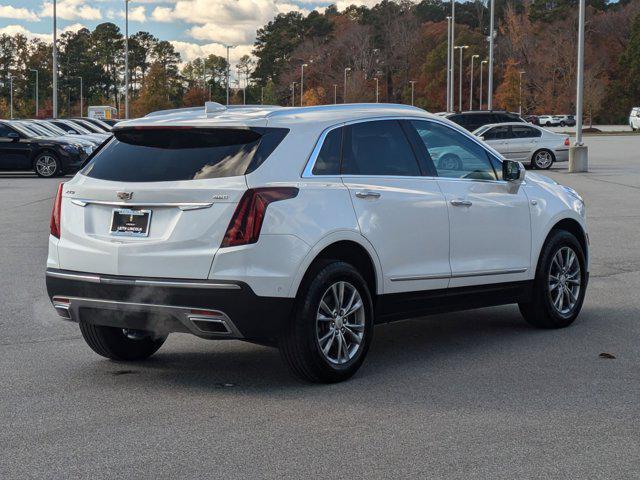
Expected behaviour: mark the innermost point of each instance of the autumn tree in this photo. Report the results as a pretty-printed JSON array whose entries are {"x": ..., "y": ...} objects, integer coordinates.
[{"x": 508, "y": 92}]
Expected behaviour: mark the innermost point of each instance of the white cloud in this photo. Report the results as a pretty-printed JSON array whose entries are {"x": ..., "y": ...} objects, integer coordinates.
[
  {"x": 71, "y": 10},
  {"x": 136, "y": 14},
  {"x": 45, "y": 37},
  {"x": 190, "y": 51},
  {"x": 7, "y": 11},
  {"x": 162, "y": 14}
]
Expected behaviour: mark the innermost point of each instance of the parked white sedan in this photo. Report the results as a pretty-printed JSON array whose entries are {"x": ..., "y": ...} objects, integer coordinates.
[{"x": 526, "y": 143}]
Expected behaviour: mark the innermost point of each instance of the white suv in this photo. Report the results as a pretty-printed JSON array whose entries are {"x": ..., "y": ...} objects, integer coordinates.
[{"x": 302, "y": 228}]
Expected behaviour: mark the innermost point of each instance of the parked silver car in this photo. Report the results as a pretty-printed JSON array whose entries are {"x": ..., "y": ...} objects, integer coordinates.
[{"x": 526, "y": 143}]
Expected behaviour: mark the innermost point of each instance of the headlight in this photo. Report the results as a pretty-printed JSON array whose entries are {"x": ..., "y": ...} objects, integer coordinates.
[{"x": 578, "y": 202}]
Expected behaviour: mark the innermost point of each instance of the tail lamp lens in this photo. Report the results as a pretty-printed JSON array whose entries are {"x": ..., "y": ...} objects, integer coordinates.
[
  {"x": 55, "y": 213},
  {"x": 566, "y": 142},
  {"x": 246, "y": 222}
]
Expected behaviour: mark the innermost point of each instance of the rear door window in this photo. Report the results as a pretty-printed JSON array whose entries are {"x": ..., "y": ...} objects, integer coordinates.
[
  {"x": 170, "y": 154},
  {"x": 378, "y": 148},
  {"x": 328, "y": 161}
]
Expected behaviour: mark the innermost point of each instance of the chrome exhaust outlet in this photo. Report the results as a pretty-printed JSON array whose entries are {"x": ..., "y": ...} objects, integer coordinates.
[
  {"x": 210, "y": 322},
  {"x": 63, "y": 307}
]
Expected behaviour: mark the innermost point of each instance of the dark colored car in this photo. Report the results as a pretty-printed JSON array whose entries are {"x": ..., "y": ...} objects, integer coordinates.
[
  {"x": 473, "y": 120},
  {"x": 24, "y": 149},
  {"x": 105, "y": 127},
  {"x": 533, "y": 119}
]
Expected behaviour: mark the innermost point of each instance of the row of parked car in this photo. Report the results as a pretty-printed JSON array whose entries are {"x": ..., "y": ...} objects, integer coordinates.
[{"x": 50, "y": 147}]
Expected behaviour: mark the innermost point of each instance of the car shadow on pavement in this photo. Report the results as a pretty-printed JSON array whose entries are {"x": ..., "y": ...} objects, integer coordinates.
[{"x": 418, "y": 348}]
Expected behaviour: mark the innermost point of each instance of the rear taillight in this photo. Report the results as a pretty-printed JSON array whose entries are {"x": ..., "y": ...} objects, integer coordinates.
[
  {"x": 55, "y": 213},
  {"x": 246, "y": 222},
  {"x": 566, "y": 142}
]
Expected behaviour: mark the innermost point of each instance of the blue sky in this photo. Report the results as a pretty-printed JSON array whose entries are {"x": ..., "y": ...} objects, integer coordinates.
[{"x": 196, "y": 27}]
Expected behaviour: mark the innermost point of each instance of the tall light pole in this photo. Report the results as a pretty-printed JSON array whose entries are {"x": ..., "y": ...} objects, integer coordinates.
[
  {"x": 451, "y": 75},
  {"x": 413, "y": 83},
  {"x": 481, "y": 64},
  {"x": 471, "y": 82},
  {"x": 461, "y": 48},
  {"x": 302, "y": 83},
  {"x": 126, "y": 59},
  {"x": 491, "y": 27},
  {"x": 335, "y": 93},
  {"x": 228, "y": 68},
  {"x": 448, "y": 62},
  {"x": 55, "y": 60},
  {"x": 344, "y": 95},
  {"x": 11, "y": 97},
  {"x": 293, "y": 93},
  {"x": 520, "y": 101},
  {"x": 578, "y": 153},
  {"x": 261, "y": 95},
  {"x": 377, "y": 90},
  {"x": 37, "y": 90},
  {"x": 81, "y": 95}
]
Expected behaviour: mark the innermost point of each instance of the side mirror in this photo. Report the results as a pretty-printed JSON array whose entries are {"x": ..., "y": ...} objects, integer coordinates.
[
  {"x": 481, "y": 137},
  {"x": 513, "y": 172},
  {"x": 13, "y": 136}
]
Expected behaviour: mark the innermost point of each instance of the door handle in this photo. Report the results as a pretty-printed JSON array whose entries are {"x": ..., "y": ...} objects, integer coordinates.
[
  {"x": 367, "y": 194},
  {"x": 461, "y": 203}
]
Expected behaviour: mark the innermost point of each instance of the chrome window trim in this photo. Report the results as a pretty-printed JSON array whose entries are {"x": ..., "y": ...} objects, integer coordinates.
[{"x": 311, "y": 161}]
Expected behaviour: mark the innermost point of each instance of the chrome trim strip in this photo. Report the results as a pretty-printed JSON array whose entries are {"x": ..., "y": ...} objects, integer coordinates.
[
  {"x": 484, "y": 273},
  {"x": 142, "y": 282},
  {"x": 412, "y": 278},
  {"x": 440, "y": 276},
  {"x": 180, "y": 205}
]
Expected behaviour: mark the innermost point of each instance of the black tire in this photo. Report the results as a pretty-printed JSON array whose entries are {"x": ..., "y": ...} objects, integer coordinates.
[
  {"x": 300, "y": 344},
  {"x": 541, "y": 311},
  {"x": 113, "y": 343},
  {"x": 536, "y": 159},
  {"x": 47, "y": 165},
  {"x": 563, "y": 124},
  {"x": 548, "y": 124}
]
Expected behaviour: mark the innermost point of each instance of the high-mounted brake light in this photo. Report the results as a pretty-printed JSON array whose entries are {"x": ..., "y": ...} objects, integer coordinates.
[
  {"x": 246, "y": 222},
  {"x": 55, "y": 213},
  {"x": 566, "y": 142}
]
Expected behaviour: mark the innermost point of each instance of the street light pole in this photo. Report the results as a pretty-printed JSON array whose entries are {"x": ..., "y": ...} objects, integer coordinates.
[
  {"x": 471, "y": 83},
  {"x": 520, "y": 102},
  {"x": 302, "y": 83},
  {"x": 579, "y": 153},
  {"x": 293, "y": 93},
  {"x": 126, "y": 60},
  {"x": 11, "y": 96},
  {"x": 377, "y": 91},
  {"x": 335, "y": 93},
  {"x": 37, "y": 90},
  {"x": 461, "y": 48},
  {"x": 55, "y": 60},
  {"x": 228, "y": 69},
  {"x": 452, "y": 50},
  {"x": 491, "y": 27},
  {"x": 81, "y": 96},
  {"x": 344, "y": 96},
  {"x": 481, "y": 64},
  {"x": 413, "y": 83},
  {"x": 448, "y": 62}
]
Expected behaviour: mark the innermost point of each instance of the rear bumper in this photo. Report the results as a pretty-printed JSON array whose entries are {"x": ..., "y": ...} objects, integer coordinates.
[
  {"x": 562, "y": 154},
  {"x": 208, "y": 309}
]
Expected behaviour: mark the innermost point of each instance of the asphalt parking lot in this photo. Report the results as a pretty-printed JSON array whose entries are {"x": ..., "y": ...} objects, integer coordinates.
[{"x": 475, "y": 394}]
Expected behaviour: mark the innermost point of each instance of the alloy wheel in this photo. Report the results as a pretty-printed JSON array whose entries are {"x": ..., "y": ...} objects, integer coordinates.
[
  {"x": 543, "y": 160},
  {"x": 564, "y": 280},
  {"x": 340, "y": 323},
  {"x": 46, "y": 166}
]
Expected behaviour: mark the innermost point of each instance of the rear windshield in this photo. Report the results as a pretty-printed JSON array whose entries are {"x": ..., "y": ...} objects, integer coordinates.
[{"x": 169, "y": 154}]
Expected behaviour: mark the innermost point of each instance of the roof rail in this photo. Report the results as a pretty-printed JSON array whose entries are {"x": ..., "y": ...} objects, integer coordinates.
[{"x": 339, "y": 107}]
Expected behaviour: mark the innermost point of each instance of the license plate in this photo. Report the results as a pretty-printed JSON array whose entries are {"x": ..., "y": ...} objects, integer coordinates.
[{"x": 130, "y": 223}]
